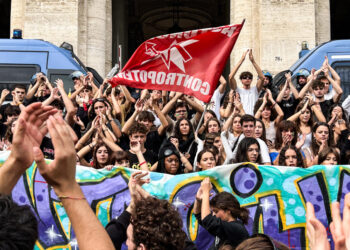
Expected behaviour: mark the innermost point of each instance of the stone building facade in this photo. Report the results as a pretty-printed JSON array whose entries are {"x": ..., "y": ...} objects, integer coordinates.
[{"x": 274, "y": 29}]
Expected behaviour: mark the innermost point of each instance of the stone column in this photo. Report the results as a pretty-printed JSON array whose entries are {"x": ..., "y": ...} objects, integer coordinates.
[
  {"x": 96, "y": 35},
  {"x": 17, "y": 14},
  {"x": 323, "y": 21}
]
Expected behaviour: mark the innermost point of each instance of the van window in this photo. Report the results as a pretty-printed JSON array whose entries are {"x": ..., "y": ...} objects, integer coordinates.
[
  {"x": 16, "y": 73},
  {"x": 12, "y": 74},
  {"x": 68, "y": 83},
  {"x": 343, "y": 69}
]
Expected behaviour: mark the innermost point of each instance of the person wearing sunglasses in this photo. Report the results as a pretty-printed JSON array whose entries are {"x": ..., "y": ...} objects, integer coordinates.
[
  {"x": 169, "y": 161},
  {"x": 248, "y": 94}
]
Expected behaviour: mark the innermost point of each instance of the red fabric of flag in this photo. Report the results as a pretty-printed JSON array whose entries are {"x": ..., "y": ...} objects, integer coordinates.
[{"x": 190, "y": 62}]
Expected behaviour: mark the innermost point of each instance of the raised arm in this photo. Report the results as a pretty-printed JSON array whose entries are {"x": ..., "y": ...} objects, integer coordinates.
[
  {"x": 292, "y": 87},
  {"x": 228, "y": 110},
  {"x": 4, "y": 93},
  {"x": 31, "y": 92},
  {"x": 275, "y": 106},
  {"x": 307, "y": 86},
  {"x": 77, "y": 92},
  {"x": 60, "y": 174},
  {"x": 31, "y": 130},
  {"x": 231, "y": 77},
  {"x": 195, "y": 105},
  {"x": 259, "y": 83},
  {"x": 261, "y": 108},
  {"x": 335, "y": 81},
  {"x": 206, "y": 187},
  {"x": 136, "y": 148},
  {"x": 281, "y": 93},
  {"x": 132, "y": 119},
  {"x": 223, "y": 83},
  {"x": 67, "y": 103},
  {"x": 169, "y": 106},
  {"x": 161, "y": 116},
  {"x": 295, "y": 117},
  {"x": 90, "y": 81}
]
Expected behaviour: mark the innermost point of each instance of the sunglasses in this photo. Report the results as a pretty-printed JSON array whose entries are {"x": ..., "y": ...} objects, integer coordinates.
[
  {"x": 168, "y": 152},
  {"x": 247, "y": 77}
]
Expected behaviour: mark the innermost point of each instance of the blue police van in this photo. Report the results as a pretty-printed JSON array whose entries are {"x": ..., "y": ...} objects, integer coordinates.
[
  {"x": 338, "y": 53},
  {"x": 21, "y": 58}
]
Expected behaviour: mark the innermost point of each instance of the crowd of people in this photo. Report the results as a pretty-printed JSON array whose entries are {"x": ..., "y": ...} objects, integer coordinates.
[{"x": 295, "y": 124}]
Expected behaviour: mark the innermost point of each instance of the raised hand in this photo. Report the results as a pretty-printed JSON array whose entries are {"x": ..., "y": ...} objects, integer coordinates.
[
  {"x": 4, "y": 93},
  {"x": 60, "y": 173},
  {"x": 315, "y": 230},
  {"x": 54, "y": 94},
  {"x": 139, "y": 105},
  {"x": 59, "y": 83},
  {"x": 135, "y": 146},
  {"x": 31, "y": 129},
  {"x": 251, "y": 57},
  {"x": 206, "y": 185}
]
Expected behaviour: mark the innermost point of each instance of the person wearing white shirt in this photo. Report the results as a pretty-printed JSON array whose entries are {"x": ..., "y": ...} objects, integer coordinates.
[
  {"x": 248, "y": 128},
  {"x": 248, "y": 94}
]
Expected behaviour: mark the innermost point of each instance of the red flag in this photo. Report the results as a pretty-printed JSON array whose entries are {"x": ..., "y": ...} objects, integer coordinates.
[{"x": 190, "y": 62}]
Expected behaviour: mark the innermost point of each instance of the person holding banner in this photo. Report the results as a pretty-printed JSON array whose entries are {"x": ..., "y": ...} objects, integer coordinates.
[{"x": 227, "y": 219}]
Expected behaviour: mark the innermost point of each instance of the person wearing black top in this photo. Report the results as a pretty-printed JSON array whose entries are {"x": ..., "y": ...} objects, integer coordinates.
[
  {"x": 227, "y": 220},
  {"x": 148, "y": 232}
]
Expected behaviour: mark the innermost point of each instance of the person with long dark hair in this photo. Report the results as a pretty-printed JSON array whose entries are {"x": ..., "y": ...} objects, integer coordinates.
[
  {"x": 264, "y": 111},
  {"x": 248, "y": 151},
  {"x": 304, "y": 121},
  {"x": 227, "y": 219},
  {"x": 290, "y": 156},
  {"x": 102, "y": 156},
  {"x": 286, "y": 134},
  {"x": 185, "y": 133},
  {"x": 321, "y": 139}
]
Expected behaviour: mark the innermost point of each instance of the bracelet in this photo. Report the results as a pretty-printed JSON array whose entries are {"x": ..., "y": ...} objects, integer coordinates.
[
  {"x": 273, "y": 105},
  {"x": 69, "y": 197},
  {"x": 142, "y": 163},
  {"x": 90, "y": 146}
]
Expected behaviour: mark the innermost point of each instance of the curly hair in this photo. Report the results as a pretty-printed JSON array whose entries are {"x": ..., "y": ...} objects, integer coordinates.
[
  {"x": 19, "y": 227},
  {"x": 157, "y": 225},
  {"x": 282, "y": 156},
  {"x": 137, "y": 128},
  {"x": 227, "y": 202}
]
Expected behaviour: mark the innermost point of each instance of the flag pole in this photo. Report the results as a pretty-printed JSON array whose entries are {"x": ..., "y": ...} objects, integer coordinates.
[{"x": 196, "y": 133}]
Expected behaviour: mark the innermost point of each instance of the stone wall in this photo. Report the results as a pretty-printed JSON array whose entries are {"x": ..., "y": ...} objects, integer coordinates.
[
  {"x": 275, "y": 29},
  {"x": 86, "y": 24}
]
